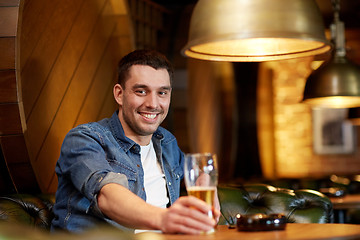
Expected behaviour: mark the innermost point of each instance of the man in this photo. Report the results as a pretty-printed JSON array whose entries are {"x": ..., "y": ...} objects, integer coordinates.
[{"x": 126, "y": 170}]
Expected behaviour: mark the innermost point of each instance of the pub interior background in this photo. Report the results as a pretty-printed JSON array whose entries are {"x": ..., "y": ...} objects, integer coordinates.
[
  {"x": 249, "y": 114},
  {"x": 255, "y": 120}
]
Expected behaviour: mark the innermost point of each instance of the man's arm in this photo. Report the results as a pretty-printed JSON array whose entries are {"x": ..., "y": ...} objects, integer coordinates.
[{"x": 187, "y": 215}]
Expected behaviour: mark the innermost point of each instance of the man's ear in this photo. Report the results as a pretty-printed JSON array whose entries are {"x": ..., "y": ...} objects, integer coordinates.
[{"x": 118, "y": 93}]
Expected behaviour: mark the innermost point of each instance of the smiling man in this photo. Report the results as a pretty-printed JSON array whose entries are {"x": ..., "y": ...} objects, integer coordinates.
[{"x": 126, "y": 170}]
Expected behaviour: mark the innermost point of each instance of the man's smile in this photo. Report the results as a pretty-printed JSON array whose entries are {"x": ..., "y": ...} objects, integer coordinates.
[{"x": 149, "y": 115}]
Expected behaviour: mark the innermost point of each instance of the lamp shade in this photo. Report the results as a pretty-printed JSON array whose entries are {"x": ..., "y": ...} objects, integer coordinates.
[
  {"x": 337, "y": 83},
  {"x": 334, "y": 85},
  {"x": 255, "y": 30}
]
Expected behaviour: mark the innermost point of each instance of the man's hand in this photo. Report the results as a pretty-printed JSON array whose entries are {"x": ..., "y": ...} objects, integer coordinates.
[{"x": 188, "y": 215}]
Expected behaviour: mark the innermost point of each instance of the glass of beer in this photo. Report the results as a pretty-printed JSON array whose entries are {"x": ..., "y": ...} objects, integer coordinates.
[{"x": 201, "y": 177}]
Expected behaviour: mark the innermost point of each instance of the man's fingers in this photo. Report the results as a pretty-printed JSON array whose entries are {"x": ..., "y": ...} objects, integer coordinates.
[
  {"x": 217, "y": 214},
  {"x": 193, "y": 202},
  {"x": 188, "y": 224},
  {"x": 188, "y": 215}
]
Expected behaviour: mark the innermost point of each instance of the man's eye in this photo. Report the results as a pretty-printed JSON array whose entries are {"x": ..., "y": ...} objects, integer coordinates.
[
  {"x": 162, "y": 93},
  {"x": 140, "y": 91}
]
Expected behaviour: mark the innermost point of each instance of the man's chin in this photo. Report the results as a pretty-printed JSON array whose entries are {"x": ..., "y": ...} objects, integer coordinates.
[{"x": 147, "y": 131}]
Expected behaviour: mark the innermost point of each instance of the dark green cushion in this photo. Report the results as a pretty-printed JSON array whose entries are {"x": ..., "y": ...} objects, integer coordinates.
[{"x": 300, "y": 206}]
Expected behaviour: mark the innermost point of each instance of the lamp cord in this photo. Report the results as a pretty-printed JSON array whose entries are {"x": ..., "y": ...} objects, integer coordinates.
[
  {"x": 336, "y": 8},
  {"x": 338, "y": 30}
]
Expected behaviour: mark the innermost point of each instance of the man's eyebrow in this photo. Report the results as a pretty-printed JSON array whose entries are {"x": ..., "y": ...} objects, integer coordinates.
[
  {"x": 139, "y": 86},
  {"x": 166, "y": 88},
  {"x": 146, "y": 86}
]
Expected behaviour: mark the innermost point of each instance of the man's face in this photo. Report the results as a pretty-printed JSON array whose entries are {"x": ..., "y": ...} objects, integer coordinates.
[{"x": 145, "y": 100}]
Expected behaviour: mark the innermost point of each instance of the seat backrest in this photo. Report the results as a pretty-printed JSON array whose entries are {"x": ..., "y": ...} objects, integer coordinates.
[
  {"x": 33, "y": 210},
  {"x": 299, "y": 206}
]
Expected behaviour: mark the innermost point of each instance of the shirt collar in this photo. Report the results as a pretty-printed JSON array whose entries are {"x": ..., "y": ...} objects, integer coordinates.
[{"x": 118, "y": 132}]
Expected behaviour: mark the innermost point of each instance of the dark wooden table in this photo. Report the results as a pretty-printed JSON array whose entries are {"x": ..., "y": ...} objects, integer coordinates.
[
  {"x": 342, "y": 204},
  {"x": 293, "y": 231}
]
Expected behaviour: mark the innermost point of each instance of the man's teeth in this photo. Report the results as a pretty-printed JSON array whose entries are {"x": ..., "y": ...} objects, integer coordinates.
[{"x": 151, "y": 116}]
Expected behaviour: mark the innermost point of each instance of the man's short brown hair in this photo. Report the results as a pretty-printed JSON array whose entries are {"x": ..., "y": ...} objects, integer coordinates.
[{"x": 145, "y": 57}]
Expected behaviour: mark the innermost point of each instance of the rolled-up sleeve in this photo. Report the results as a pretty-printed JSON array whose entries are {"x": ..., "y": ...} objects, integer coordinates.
[
  {"x": 111, "y": 177},
  {"x": 84, "y": 161}
]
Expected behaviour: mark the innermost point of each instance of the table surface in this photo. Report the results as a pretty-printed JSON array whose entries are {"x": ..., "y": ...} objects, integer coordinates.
[
  {"x": 346, "y": 202},
  {"x": 292, "y": 231}
]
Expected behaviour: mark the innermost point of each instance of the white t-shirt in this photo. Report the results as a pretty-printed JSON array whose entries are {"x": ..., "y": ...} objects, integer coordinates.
[{"x": 154, "y": 178}]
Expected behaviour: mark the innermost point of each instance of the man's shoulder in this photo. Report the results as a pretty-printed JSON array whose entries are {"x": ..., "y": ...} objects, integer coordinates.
[{"x": 101, "y": 126}]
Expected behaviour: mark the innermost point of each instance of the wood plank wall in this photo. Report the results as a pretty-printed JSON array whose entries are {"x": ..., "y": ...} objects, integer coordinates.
[{"x": 67, "y": 52}]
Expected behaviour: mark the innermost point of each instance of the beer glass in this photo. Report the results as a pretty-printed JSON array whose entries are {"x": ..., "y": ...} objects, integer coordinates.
[{"x": 201, "y": 177}]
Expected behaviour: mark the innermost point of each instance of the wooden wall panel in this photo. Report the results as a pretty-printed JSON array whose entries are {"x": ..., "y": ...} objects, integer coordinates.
[
  {"x": 7, "y": 50},
  {"x": 46, "y": 57},
  {"x": 70, "y": 66},
  {"x": 67, "y": 52},
  {"x": 107, "y": 101},
  {"x": 9, "y": 3},
  {"x": 10, "y": 122},
  {"x": 99, "y": 88},
  {"x": 9, "y": 17},
  {"x": 8, "y": 86},
  {"x": 76, "y": 83},
  {"x": 73, "y": 95},
  {"x": 36, "y": 18}
]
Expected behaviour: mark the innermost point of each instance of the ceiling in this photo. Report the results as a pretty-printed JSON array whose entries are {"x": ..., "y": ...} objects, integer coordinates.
[{"x": 349, "y": 10}]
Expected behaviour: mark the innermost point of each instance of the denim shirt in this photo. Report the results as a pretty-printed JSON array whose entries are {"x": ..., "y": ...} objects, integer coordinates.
[{"x": 95, "y": 154}]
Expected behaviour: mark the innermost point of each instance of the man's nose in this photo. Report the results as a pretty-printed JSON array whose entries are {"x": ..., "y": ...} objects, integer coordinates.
[{"x": 152, "y": 100}]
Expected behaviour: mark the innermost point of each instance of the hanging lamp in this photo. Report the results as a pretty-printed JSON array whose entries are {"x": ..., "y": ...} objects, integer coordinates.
[
  {"x": 335, "y": 84},
  {"x": 255, "y": 30}
]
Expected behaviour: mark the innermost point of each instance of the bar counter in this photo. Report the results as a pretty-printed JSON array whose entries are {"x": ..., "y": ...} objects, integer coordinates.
[{"x": 293, "y": 231}]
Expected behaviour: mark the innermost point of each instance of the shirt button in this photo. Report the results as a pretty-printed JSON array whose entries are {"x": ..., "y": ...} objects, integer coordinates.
[
  {"x": 169, "y": 183},
  {"x": 138, "y": 165}
]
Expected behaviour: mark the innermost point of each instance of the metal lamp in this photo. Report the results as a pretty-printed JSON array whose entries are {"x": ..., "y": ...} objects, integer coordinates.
[
  {"x": 335, "y": 84},
  {"x": 255, "y": 30}
]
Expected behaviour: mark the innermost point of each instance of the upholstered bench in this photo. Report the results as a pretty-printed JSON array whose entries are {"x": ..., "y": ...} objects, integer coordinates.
[
  {"x": 299, "y": 206},
  {"x": 27, "y": 209},
  {"x": 28, "y": 217}
]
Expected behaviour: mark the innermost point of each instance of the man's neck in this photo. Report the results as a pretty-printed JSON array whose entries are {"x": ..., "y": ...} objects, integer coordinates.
[{"x": 141, "y": 140}]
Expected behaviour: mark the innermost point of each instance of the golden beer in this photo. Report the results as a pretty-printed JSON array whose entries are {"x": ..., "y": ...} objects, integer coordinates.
[
  {"x": 200, "y": 173},
  {"x": 207, "y": 194}
]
